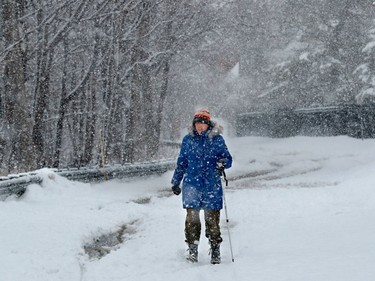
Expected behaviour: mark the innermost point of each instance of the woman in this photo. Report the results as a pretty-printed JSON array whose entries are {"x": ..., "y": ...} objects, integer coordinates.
[{"x": 202, "y": 158}]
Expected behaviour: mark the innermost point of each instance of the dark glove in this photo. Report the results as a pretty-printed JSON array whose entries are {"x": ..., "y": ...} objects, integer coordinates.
[
  {"x": 176, "y": 189},
  {"x": 220, "y": 164}
]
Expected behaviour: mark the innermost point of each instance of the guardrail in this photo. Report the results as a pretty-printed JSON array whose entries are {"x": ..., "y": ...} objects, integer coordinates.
[{"x": 16, "y": 184}]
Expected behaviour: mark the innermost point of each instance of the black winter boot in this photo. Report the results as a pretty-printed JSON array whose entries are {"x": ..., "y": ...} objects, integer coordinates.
[
  {"x": 193, "y": 253},
  {"x": 215, "y": 253}
]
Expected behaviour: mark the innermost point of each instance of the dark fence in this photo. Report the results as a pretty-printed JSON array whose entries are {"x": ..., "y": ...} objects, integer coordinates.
[
  {"x": 352, "y": 120},
  {"x": 17, "y": 184}
]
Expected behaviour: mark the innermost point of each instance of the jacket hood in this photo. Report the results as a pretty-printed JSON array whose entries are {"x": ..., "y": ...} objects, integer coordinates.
[{"x": 213, "y": 130}]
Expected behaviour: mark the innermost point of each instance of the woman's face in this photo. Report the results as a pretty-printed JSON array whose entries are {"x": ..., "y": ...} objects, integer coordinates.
[{"x": 200, "y": 127}]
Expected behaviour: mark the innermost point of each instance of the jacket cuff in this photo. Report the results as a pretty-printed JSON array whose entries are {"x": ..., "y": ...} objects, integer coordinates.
[{"x": 174, "y": 183}]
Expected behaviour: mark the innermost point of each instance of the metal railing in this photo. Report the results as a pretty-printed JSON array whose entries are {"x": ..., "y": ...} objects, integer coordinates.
[{"x": 16, "y": 184}]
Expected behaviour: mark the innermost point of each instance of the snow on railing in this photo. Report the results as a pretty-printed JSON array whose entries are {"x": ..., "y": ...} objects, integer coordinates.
[{"x": 16, "y": 184}]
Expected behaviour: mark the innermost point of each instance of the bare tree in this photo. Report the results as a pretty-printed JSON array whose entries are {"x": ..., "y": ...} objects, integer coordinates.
[{"x": 45, "y": 59}]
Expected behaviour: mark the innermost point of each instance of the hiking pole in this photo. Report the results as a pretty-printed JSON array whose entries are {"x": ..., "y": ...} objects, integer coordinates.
[{"x": 226, "y": 214}]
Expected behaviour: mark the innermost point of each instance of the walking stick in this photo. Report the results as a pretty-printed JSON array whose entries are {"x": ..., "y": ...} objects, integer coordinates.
[{"x": 226, "y": 214}]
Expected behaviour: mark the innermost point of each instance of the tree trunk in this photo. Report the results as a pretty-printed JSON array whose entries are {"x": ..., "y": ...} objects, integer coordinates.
[
  {"x": 134, "y": 112},
  {"x": 155, "y": 128},
  {"x": 41, "y": 106},
  {"x": 90, "y": 127},
  {"x": 16, "y": 111},
  {"x": 159, "y": 113},
  {"x": 62, "y": 110},
  {"x": 140, "y": 87}
]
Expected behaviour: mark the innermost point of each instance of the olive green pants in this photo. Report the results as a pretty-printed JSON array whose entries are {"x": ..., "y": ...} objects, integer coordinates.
[{"x": 193, "y": 226}]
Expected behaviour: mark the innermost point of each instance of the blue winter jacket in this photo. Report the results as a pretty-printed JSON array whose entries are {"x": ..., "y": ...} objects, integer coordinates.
[{"x": 196, "y": 165}]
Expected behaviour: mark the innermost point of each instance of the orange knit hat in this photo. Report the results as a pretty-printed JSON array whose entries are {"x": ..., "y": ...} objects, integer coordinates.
[{"x": 203, "y": 116}]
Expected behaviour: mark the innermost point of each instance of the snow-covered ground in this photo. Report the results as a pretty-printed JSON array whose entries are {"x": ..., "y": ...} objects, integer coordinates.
[{"x": 299, "y": 209}]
